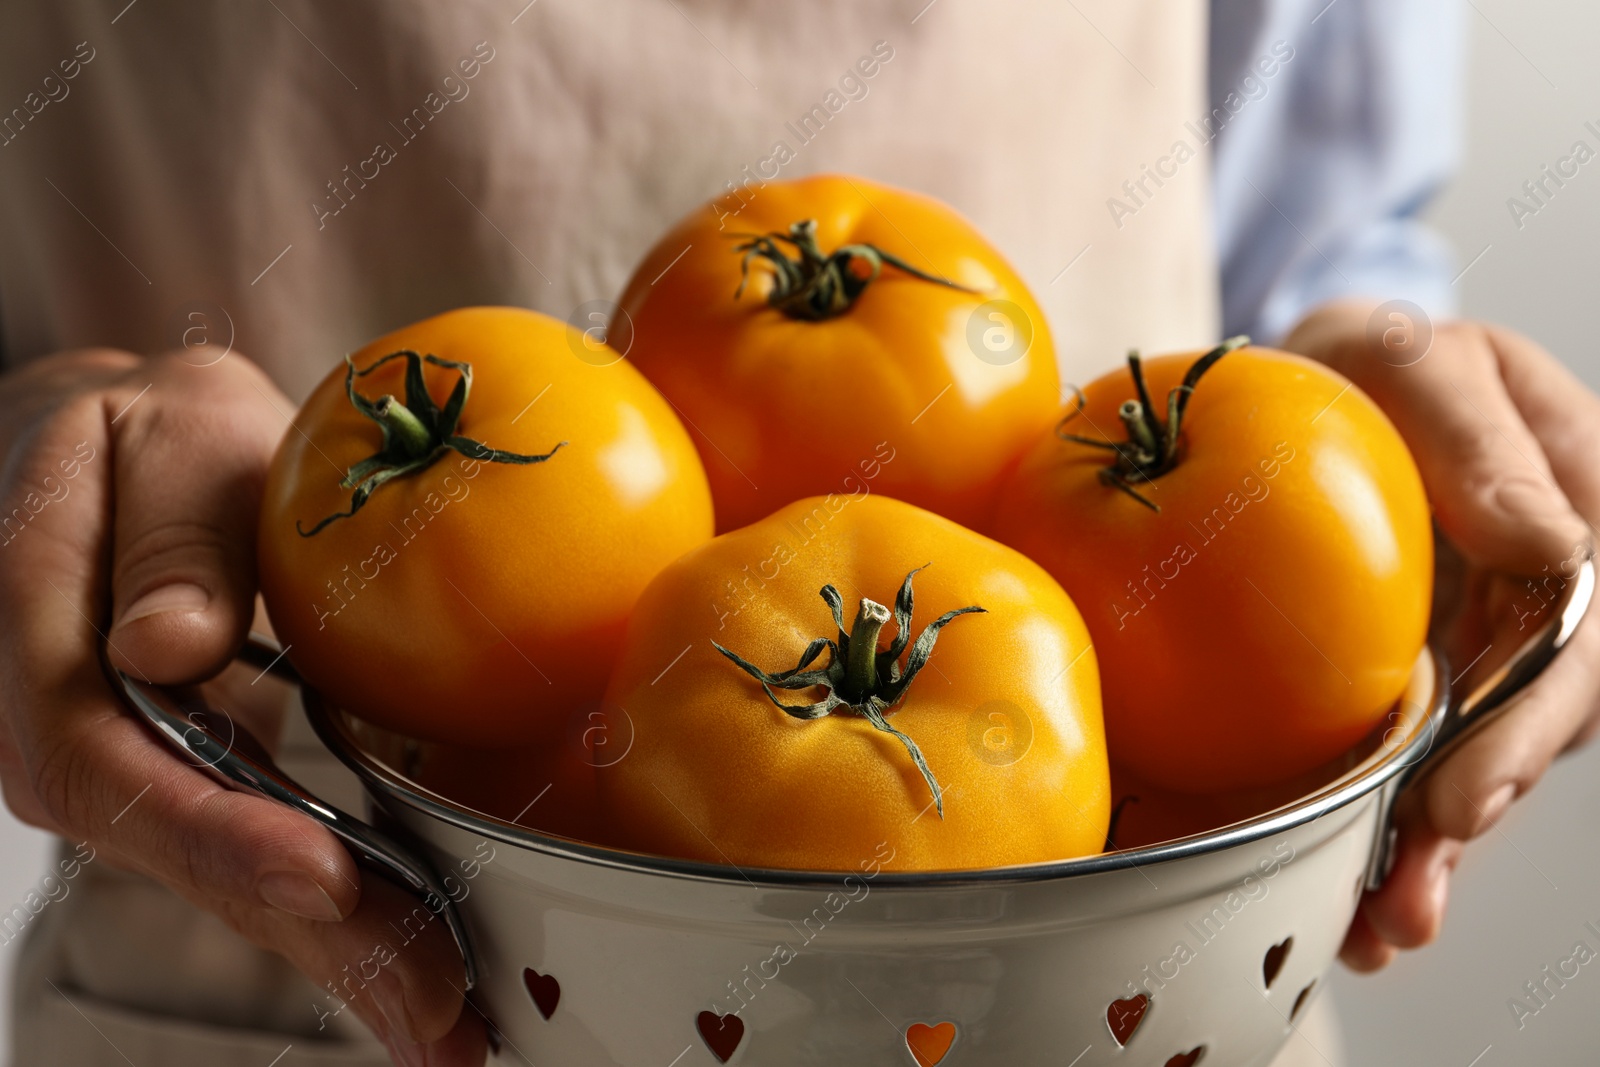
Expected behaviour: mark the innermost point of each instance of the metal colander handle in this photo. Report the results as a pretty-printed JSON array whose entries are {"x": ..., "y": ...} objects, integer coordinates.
[
  {"x": 1465, "y": 714},
  {"x": 1475, "y": 710},
  {"x": 238, "y": 761}
]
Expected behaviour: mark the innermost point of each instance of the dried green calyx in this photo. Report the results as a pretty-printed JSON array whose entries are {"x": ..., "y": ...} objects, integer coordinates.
[
  {"x": 415, "y": 433},
  {"x": 813, "y": 286},
  {"x": 859, "y": 677},
  {"x": 1151, "y": 449}
]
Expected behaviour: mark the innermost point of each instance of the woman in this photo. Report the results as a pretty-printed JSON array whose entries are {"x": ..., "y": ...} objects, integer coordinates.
[{"x": 285, "y": 181}]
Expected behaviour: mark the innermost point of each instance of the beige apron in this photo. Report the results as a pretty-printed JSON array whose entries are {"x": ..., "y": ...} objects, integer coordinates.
[{"x": 299, "y": 178}]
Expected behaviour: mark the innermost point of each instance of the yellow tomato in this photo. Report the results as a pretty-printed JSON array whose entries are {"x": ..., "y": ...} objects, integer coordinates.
[
  {"x": 479, "y": 594},
  {"x": 1259, "y": 590},
  {"x": 1000, "y": 703},
  {"x": 803, "y": 352}
]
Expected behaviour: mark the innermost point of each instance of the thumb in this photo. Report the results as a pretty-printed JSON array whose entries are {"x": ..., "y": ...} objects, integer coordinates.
[
  {"x": 190, "y": 458},
  {"x": 1491, "y": 484},
  {"x": 1494, "y": 492}
]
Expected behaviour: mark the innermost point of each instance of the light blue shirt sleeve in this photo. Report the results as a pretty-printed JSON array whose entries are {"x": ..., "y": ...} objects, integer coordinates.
[{"x": 1322, "y": 168}]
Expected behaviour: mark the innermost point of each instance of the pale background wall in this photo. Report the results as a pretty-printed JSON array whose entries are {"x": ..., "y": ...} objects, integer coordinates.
[{"x": 1523, "y": 894}]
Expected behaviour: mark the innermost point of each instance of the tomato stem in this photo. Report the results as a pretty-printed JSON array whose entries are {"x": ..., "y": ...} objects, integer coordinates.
[
  {"x": 415, "y": 433},
  {"x": 1151, "y": 449},
  {"x": 1132, "y": 413},
  {"x": 402, "y": 428},
  {"x": 813, "y": 286},
  {"x": 861, "y": 664},
  {"x": 860, "y": 677}
]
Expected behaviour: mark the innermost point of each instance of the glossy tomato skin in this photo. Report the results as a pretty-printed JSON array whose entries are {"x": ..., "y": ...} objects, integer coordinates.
[
  {"x": 1006, "y": 712},
  {"x": 784, "y": 408},
  {"x": 1270, "y": 614},
  {"x": 473, "y": 602},
  {"x": 545, "y": 787},
  {"x": 1148, "y": 814}
]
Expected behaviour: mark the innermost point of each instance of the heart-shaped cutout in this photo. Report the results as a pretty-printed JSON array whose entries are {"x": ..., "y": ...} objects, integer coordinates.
[
  {"x": 1272, "y": 963},
  {"x": 721, "y": 1033},
  {"x": 930, "y": 1044},
  {"x": 1187, "y": 1059},
  {"x": 1300, "y": 1001},
  {"x": 545, "y": 991},
  {"x": 1124, "y": 1016}
]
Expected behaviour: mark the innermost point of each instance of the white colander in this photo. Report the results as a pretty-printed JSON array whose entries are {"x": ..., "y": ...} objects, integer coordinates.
[{"x": 1205, "y": 949}]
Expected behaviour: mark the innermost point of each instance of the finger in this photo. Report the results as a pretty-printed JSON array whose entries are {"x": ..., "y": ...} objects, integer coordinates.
[
  {"x": 50, "y": 498},
  {"x": 101, "y": 776},
  {"x": 1491, "y": 485},
  {"x": 392, "y": 962},
  {"x": 28, "y": 394},
  {"x": 95, "y": 773},
  {"x": 1562, "y": 413},
  {"x": 1408, "y": 911},
  {"x": 45, "y": 457},
  {"x": 190, "y": 457},
  {"x": 466, "y": 1045},
  {"x": 1471, "y": 790},
  {"x": 1586, "y": 733},
  {"x": 19, "y": 798},
  {"x": 1363, "y": 950}
]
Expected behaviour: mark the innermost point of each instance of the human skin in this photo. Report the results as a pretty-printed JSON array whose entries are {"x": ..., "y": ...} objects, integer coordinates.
[{"x": 151, "y": 541}]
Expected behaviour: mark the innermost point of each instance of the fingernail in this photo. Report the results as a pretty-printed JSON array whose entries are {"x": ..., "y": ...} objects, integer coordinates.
[
  {"x": 1523, "y": 498},
  {"x": 1529, "y": 500},
  {"x": 1495, "y": 807},
  {"x": 297, "y": 894},
  {"x": 180, "y": 597}
]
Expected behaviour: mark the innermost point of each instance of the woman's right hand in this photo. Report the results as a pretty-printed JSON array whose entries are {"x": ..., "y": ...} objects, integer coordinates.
[{"x": 129, "y": 493}]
